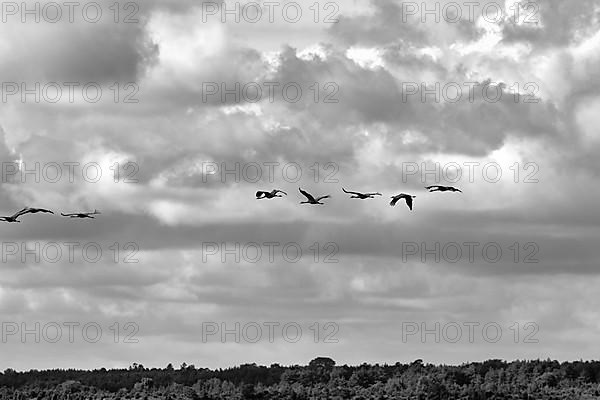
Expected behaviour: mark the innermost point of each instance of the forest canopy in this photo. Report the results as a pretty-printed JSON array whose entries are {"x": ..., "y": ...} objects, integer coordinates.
[{"x": 320, "y": 379}]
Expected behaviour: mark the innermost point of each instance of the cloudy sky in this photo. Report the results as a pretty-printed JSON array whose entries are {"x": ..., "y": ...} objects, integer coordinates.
[{"x": 500, "y": 100}]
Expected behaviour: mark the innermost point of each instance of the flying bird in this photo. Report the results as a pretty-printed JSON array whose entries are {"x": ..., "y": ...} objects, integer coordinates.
[
  {"x": 407, "y": 197},
  {"x": 81, "y": 215},
  {"x": 311, "y": 199},
  {"x": 31, "y": 210},
  {"x": 269, "y": 195},
  {"x": 439, "y": 188},
  {"x": 13, "y": 218},
  {"x": 362, "y": 196}
]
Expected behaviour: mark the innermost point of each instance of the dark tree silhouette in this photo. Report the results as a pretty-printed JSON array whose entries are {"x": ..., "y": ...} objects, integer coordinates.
[{"x": 320, "y": 379}]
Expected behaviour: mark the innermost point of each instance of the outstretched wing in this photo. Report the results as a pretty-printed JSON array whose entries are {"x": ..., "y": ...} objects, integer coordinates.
[
  {"x": 409, "y": 202},
  {"x": 323, "y": 197},
  {"x": 374, "y": 194},
  {"x": 19, "y": 213},
  {"x": 432, "y": 187},
  {"x": 67, "y": 215},
  {"x": 356, "y": 193},
  {"x": 280, "y": 191},
  {"x": 394, "y": 200},
  {"x": 43, "y": 210},
  {"x": 307, "y": 195}
]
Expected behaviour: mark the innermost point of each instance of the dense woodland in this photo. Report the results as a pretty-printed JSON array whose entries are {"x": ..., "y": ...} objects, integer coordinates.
[{"x": 321, "y": 379}]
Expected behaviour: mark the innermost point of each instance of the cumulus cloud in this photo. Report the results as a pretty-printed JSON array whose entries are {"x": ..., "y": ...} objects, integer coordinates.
[{"x": 378, "y": 111}]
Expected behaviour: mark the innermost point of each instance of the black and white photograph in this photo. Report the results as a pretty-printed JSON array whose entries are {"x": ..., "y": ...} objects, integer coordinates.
[{"x": 300, "y": 200}]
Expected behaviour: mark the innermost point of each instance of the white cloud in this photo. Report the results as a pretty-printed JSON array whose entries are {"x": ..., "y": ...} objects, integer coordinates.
[{"x": 360, "y": 142}]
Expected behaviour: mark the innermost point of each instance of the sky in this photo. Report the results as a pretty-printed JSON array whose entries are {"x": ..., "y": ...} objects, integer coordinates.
[{"x": 168, "y": 116}]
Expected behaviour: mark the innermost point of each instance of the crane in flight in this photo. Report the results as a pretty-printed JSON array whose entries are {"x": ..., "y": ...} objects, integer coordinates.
[
  {"x": 362, "y": 196},
  {"x": 13, "y": 218},
  {"x": 439, "y": 188},
  {"x": 27, "y": 210},
  {"x": 407, "y": 197},
  {"x": 269, "y": 195},
  {"x": 311, "y": 199},
  {"x": 81, "y": 215}
]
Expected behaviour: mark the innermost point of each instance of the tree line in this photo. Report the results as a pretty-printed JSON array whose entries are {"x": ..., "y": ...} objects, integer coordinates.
[{"x": 320, "y": 379}]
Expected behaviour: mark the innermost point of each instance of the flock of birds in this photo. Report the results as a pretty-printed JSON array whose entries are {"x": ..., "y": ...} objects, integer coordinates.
[
  {"x": 29, "y": 210},
  {"x": 356, "y": 195},
  {"x": 310, "y": 199}
]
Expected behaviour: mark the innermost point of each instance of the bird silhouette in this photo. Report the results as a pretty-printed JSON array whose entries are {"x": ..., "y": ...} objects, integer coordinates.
[
  {"x": 407, "y": 197},
  {"x": 439, "y": 188},
  {"x": 13, "y": 218},
  {"x": 311, "y": 199},
  {"x": 81, "y": 215},
  {"x": 31, "y": 210},
  {"x": 269, "y": 195},
  {"x": 362, "y": 196}
]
